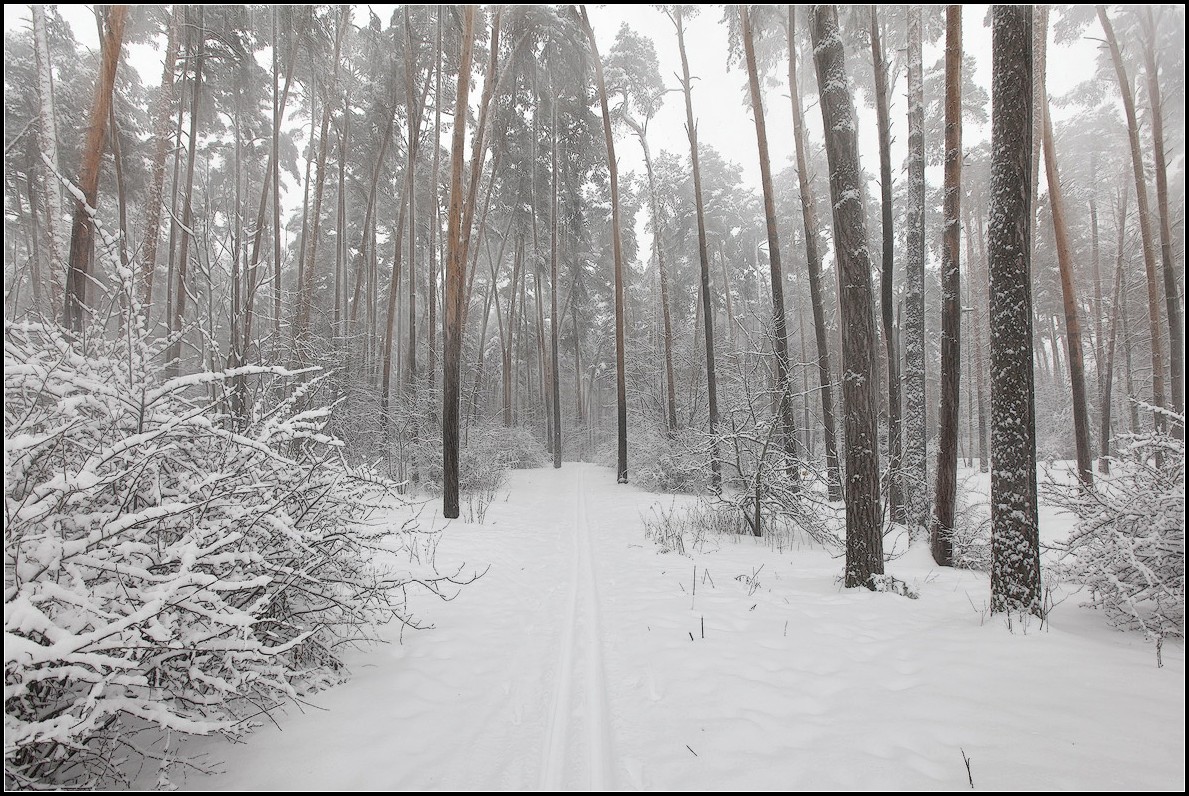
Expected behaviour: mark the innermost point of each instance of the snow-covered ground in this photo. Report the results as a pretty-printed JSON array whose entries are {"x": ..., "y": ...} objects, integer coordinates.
[{"x": 584, "y": 658}]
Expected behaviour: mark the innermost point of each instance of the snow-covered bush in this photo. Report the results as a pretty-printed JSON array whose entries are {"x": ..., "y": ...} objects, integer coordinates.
[
  {"x": 678, "y": 463},
  {"x": 168, "y": 568},
  {"x": 1128, "y": 547}
]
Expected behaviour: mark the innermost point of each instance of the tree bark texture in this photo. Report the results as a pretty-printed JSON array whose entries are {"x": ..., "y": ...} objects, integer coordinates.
[
  {"x": 1015, "y": 543},
  {"x": 83, "y": 228},
  {"x": 915, "y": 469},
  {"x": 945, "y": 495},
  {"x": 864, "y": 537}
]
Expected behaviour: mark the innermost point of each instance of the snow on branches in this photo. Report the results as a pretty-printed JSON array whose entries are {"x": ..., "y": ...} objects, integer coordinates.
[
  {"x": 1128, "y": 547},
  {"x": 167, "y": 567}
]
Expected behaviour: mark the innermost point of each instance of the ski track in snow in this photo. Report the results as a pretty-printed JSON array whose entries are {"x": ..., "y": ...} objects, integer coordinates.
[{"x": 578, "y": 719}]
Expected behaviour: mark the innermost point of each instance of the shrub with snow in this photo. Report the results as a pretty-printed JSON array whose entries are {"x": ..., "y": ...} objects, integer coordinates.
[
  {"x": 1128, "y": 547},
  {"x": 169, "y": 568}
]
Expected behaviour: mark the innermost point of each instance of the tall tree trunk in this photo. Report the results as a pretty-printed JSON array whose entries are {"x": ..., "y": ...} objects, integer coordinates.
[
  {"x": 198, "y": 43},
  {"x": 1098, "y": 310},
  {"x": 915, "y": 470},
  {"x": 1176, "y": 342},
  {"x": 554, "y": 321},
  {"x": 435, "y": 222},
  {"x": 414, "y": 147},
  {"x": 83, "y": 229},
  {"x": 887, "y": 268},
  {"x": 975, "y": 276},
  {"x": 1145, "y": 228},
  {"x": 340, "y": 239},
  {"x": 1015, "y": 542},
  {"x": 864, "y": 534},
  {"x": 154, "y": 203},
  {"x": 175, "y": 179},
  {"x": 1106, "y": 378},
  {"x": 617, "y": 247},
  {"x": 391, "y": 327},
  {"x": 1073, "y": 325},
  {"x": 455, "y": 276},
  {"x": 275, "y": 172},
  {"x": 48, "y": 140},
  {"x": 945, "y": 495},
  {"x": 691, "y": 130},
  {"x": 780, "y": 343}
]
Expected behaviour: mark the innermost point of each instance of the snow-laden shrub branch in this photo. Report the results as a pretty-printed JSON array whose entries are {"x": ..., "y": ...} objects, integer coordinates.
[
  {"x": 165, "y": 568},
  {"x": 1128, "y": 547}
]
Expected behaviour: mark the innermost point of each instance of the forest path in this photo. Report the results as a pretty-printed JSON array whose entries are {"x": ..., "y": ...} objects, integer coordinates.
[
  {"x": 578, "y": 739},
  {"x": 507, "y": 691},
  {"x": 589, "y": 658}
]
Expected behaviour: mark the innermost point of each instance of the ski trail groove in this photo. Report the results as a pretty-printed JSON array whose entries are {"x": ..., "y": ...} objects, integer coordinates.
[{"x": 580, "y": 667}]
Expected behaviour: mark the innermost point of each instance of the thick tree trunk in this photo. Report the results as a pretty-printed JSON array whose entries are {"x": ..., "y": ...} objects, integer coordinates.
[
  {"x": 864, "y": 532},
  {"x": 945, "y": 495},
  {"x": 780, "y": 343},
  {"x": 1015, "y": 543},
  {"x": 691, "y": 130},
  {"x": 83, "y": 229},
  {"x": 617, "y": 248},
  {"x": 887, "y": 270},
  {"x": 1073, "y": 325},
  {"x": 915, "y": 470}
]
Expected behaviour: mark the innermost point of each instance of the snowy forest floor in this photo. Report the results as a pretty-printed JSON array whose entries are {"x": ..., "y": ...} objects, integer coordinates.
[{"x": 583, "y": 658}]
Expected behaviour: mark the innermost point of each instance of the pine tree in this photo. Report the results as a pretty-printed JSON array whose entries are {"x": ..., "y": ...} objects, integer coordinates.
[
  {"x": 864, "y": 536},
  {"x": 1015, "y": 542}
]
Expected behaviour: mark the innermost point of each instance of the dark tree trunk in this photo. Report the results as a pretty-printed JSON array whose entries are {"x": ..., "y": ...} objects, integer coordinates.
[
  {"x": 945, "y": 495},
  {"x": 864, "y": 537},
  {"x": 1015, "y": 543}
]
